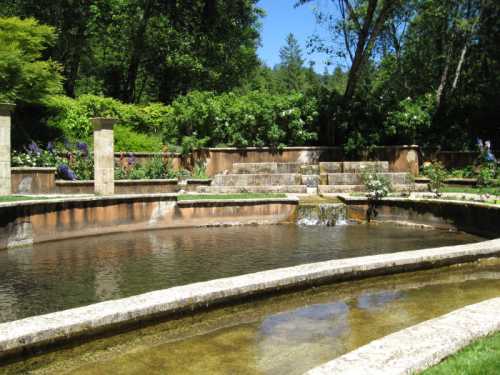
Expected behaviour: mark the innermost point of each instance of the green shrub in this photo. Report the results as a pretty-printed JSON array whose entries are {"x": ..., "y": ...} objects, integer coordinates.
[
  {"x": 412, "y": 117},
  {"x": 486, "y": 175},
  {"x": 127, "y": 139},
  {"x": 24, "y": 76},
  {"x": 254, "y": 119},
  {"x": 437, "y": 174},
  {"x": 72, "y": 117}
]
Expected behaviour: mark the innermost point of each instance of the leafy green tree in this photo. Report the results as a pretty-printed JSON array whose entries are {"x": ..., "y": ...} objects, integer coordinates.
[
  {"x": 24, "y": 76},
  {"x": 291, "y": 67}
]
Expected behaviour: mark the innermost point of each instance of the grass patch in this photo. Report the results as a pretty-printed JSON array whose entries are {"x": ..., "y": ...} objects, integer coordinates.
[
  {"x": 190, "y": 197},
  {"x": 494, "y": 190},
  {"x": 16, "y": 198},
  {"x": 480, "y": 358}
]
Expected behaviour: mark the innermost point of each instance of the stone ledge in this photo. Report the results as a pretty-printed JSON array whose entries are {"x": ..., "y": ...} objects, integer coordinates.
[
  {"x": 91, "y": 198},
  {"x": 33, "y": 169},
  {"x": 417, "y": 348},
  {"x": 233, "y": 202},
  {"x": 22, "y": 335}
]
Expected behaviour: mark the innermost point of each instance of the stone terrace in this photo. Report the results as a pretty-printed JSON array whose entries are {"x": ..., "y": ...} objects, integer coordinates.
[{"x": 325, "y": 177}]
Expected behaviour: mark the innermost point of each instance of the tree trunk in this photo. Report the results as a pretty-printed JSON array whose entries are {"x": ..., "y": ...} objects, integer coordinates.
[
  {"x": 459, "y": 67},
  {"x": 135, "y": 58}
]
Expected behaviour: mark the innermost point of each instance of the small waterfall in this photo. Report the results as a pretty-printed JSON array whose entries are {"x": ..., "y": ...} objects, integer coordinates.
[{"x": 328, "y": 214}]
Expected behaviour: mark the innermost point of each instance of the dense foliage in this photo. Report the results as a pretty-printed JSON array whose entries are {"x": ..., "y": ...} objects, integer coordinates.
[
  {"x": 254, "y": 119},
  {"x": 185, "y": 73},
  {"x": 23, "y": 75}
]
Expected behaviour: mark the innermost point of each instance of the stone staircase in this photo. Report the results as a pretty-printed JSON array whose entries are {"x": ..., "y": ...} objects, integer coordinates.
[
  {"x": 259, "y": 178},
  {"x": 325, "y": 177}
]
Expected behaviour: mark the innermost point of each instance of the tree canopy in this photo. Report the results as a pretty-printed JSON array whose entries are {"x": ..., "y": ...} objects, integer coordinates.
[{"x": 401, "y": 71}]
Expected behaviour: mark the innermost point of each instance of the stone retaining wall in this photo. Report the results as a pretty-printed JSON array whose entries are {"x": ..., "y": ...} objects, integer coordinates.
[
  {"x": 27, "y": 222},
  {"x": 22, "y": 336},
  {"x": 477, "y": 218},
  {"x": 417, "y": 348},
  {"x": 33, "y": 180}
]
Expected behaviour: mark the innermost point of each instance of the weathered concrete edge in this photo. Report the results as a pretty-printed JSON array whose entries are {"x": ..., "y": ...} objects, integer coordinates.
[
  {"x": 22, "y": 335},
  {"x": 348, "y": 199},
  {"x": 419, "y": 347},
  {"x": 124, "y": 197}
]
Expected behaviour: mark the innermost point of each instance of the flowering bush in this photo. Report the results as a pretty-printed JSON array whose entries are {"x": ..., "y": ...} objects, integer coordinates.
[
  {"x": 71, "y": 162},
  {"x": 376, "y": 184}
]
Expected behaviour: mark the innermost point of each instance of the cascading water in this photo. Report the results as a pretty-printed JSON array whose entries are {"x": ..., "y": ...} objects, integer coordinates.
[{"x": 328, "y": 214}]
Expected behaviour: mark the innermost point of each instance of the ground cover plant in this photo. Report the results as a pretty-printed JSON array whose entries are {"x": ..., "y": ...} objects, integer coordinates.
[{"x": 480, "y": 358}]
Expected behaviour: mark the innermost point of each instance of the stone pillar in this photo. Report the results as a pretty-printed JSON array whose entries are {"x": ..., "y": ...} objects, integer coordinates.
[
  {"x": 104, "y": 161},
  {"x": 5, "y": 129}
]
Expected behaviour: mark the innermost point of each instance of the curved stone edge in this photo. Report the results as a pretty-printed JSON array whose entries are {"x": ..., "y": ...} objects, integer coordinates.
[
  {"x": 419, "y": 347},
  {"x": 22, "y": 335},
  {"x": 133, "y": 197}
]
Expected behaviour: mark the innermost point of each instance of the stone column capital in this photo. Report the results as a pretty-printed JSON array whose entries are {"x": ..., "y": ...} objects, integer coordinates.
[
  {"x": 6, "y": 108},
  {"x": 103, "y": 123}
]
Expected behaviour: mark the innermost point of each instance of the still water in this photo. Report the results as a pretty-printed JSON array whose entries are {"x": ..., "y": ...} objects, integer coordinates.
[
  {"x": 59, "y": 275},
  {"x": 286, "y": 334}
]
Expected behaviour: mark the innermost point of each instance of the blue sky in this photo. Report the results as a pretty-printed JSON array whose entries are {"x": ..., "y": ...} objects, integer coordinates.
[{"x": 283, "y": 18}]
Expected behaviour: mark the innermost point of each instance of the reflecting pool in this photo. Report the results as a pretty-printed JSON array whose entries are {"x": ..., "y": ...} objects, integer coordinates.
[
  {"x": 59, "y": 275},
  {"x": 286, "y": 334}
]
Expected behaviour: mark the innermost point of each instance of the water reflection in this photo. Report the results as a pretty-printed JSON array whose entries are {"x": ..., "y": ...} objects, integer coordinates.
[
  {"x": 286, "y": 334},
  {"x": 60, "y": 275}
]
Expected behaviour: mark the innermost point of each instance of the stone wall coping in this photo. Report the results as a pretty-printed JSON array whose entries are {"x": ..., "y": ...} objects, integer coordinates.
[
  {"x": 190, "y": 181},
  {"x": 135, "y": 197},
  {"x": 301, "y": 148},
  {"x": 90, "y": 198},
  {"x": 421, "y": 346},
  {"x": 6, "y": 108},
  {"x": 234, "y": 202},
  {"x": 33, "y": 169},
  {"x": 143, "y": 153},
  {"x": 118, "y": 182},
  {"x": 21, "y": 335},
  {"x": 346, "y": 198}
]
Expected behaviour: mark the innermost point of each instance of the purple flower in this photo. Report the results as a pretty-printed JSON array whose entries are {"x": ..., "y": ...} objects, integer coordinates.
[
  {"x": 83, "y": 148},
  {"x": 67, "y": 144},
  {"x": 66, "y": 172},
  {"x": 50, "y": 147},
  {"x": 33, "y": 149},
  {"x": 132, "y": 160}
]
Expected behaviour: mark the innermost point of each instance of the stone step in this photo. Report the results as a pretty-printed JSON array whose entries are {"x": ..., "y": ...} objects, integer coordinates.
[
  {"x": 310, "y": 180},
  {"x": 331, "y": 189},
  {"x": 352, "y": 166},
  {"x": 266, "y": 168},
  {"x": 356, "y": 178},
  {"x": 358, "y": 166},
  {"x": 330, "y": 167},
  {"x": 257, "y": 179},
  {"x": 292, "y": 189}
]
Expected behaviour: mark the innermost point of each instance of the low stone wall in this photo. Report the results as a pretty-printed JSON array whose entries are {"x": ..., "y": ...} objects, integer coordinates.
[
  {"x": 400, "y": 158},
  {"x": 33, "y": 180},
  {"x": 453, "y": 159},
  {"x": 22, "y": 336},
  {"x": 417, "y": 348},
  {"x": 132, "y": 186},
  {"x": 27, "y": 222},
  {"x": 473, "y": 217}
]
